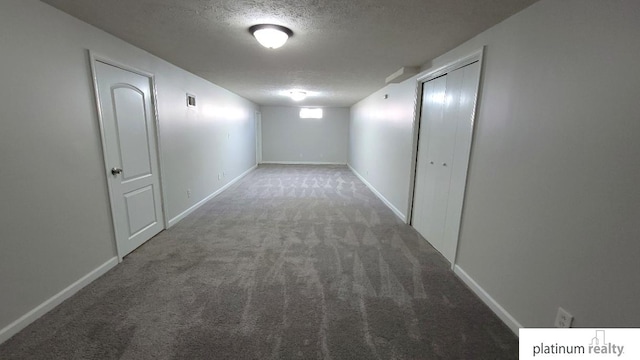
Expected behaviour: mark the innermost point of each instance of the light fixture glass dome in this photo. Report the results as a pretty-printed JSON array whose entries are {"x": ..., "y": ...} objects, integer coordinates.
[
  {"x": 271, "y": 36},
  {"x": 297, "y": 95}
]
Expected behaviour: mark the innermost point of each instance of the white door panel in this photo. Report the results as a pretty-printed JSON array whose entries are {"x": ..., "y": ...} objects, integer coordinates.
[
  {"x": 433, "y": 107},
  {"x": 140, "y": 206},
  {"x": 445, "y": 133},
  {"x": 461, "y": 152},
  {"x": 131, "y": 122},
  {"x": 129, "y": 133},
  {"x": 424, "y": 189}
]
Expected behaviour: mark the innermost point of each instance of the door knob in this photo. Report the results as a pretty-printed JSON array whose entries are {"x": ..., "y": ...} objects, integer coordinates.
[
  {"x": 116, "y": 171},
  {"x": 431, "y": 162}
]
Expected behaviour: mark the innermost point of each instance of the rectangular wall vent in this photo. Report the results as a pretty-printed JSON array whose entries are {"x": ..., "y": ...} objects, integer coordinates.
[{"x": 191, "y": 100}]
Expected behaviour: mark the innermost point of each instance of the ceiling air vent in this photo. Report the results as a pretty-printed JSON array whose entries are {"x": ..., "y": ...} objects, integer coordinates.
[{"x": 403, "y": 74}]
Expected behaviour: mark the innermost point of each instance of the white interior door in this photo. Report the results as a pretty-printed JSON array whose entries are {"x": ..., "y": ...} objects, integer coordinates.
[
  {"x": 129, "y": 135},
  {"x": 425, "y": 215},
  {"x": 258, "y": 119},
  {"x": 446, "y": 127}
]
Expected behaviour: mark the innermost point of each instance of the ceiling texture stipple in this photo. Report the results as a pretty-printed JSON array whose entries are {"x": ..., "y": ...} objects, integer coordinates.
[{"x": 341, "y": 51}]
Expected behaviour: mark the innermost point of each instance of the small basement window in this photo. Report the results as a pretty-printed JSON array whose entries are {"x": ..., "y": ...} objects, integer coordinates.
[{"x": 309, "y": 113}]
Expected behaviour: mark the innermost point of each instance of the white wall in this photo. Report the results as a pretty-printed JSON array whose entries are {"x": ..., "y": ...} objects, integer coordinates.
[
  {"x": 198, "y": 144},
  {"x": 552, "y": 203},
  {"x": 287, "y": 138},
  {"x": 54, "y": 209},
  {"x": 380, "y": 142}
]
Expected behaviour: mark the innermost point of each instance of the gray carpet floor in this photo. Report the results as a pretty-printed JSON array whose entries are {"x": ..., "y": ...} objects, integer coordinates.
[{"x": 291, "y": 262}]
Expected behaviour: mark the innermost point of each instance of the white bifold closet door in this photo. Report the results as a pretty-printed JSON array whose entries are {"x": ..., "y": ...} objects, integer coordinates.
[{"x": 444, "y": 144}]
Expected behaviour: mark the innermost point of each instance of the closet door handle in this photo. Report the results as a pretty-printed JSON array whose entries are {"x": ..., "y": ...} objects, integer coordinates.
[
  {"x": 444, "y": 164},
  {"x": 431, "y": 162}
]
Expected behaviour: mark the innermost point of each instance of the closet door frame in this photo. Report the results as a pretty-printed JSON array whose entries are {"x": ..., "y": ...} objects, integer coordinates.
[{"x": 475, "y": 56}]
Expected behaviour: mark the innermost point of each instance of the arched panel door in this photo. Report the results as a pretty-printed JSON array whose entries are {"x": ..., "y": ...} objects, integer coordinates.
[{"x": 129, "y": 135}]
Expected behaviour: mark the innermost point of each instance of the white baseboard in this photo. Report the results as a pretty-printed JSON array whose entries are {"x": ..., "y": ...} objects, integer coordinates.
[
  {"x": 302, "y": 163},
  {"x": 55, "y": 300},
  {"x": 395, "y": 210},
  {"x": 509, "y": 320},
  {"x": 183, "y": 214}
]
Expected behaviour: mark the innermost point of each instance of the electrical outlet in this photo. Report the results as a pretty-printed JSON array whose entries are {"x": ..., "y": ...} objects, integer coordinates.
[
  {"x": 563, "y": 319},
  {"x": 188, "y": 193}
]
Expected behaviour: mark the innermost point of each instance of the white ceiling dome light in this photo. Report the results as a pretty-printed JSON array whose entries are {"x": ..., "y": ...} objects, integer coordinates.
[
  {"x": 297, "y": 95},
  {"x": 271, "y": 36}
]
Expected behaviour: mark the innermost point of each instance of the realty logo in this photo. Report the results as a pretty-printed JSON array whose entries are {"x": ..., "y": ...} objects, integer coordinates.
[
  {"x": 569, "y": 346},
  {"x": 600, "y": 346}
]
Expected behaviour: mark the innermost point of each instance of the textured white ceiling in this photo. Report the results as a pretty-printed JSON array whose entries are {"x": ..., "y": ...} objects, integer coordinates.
[{"x": 341, "y": 50}]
